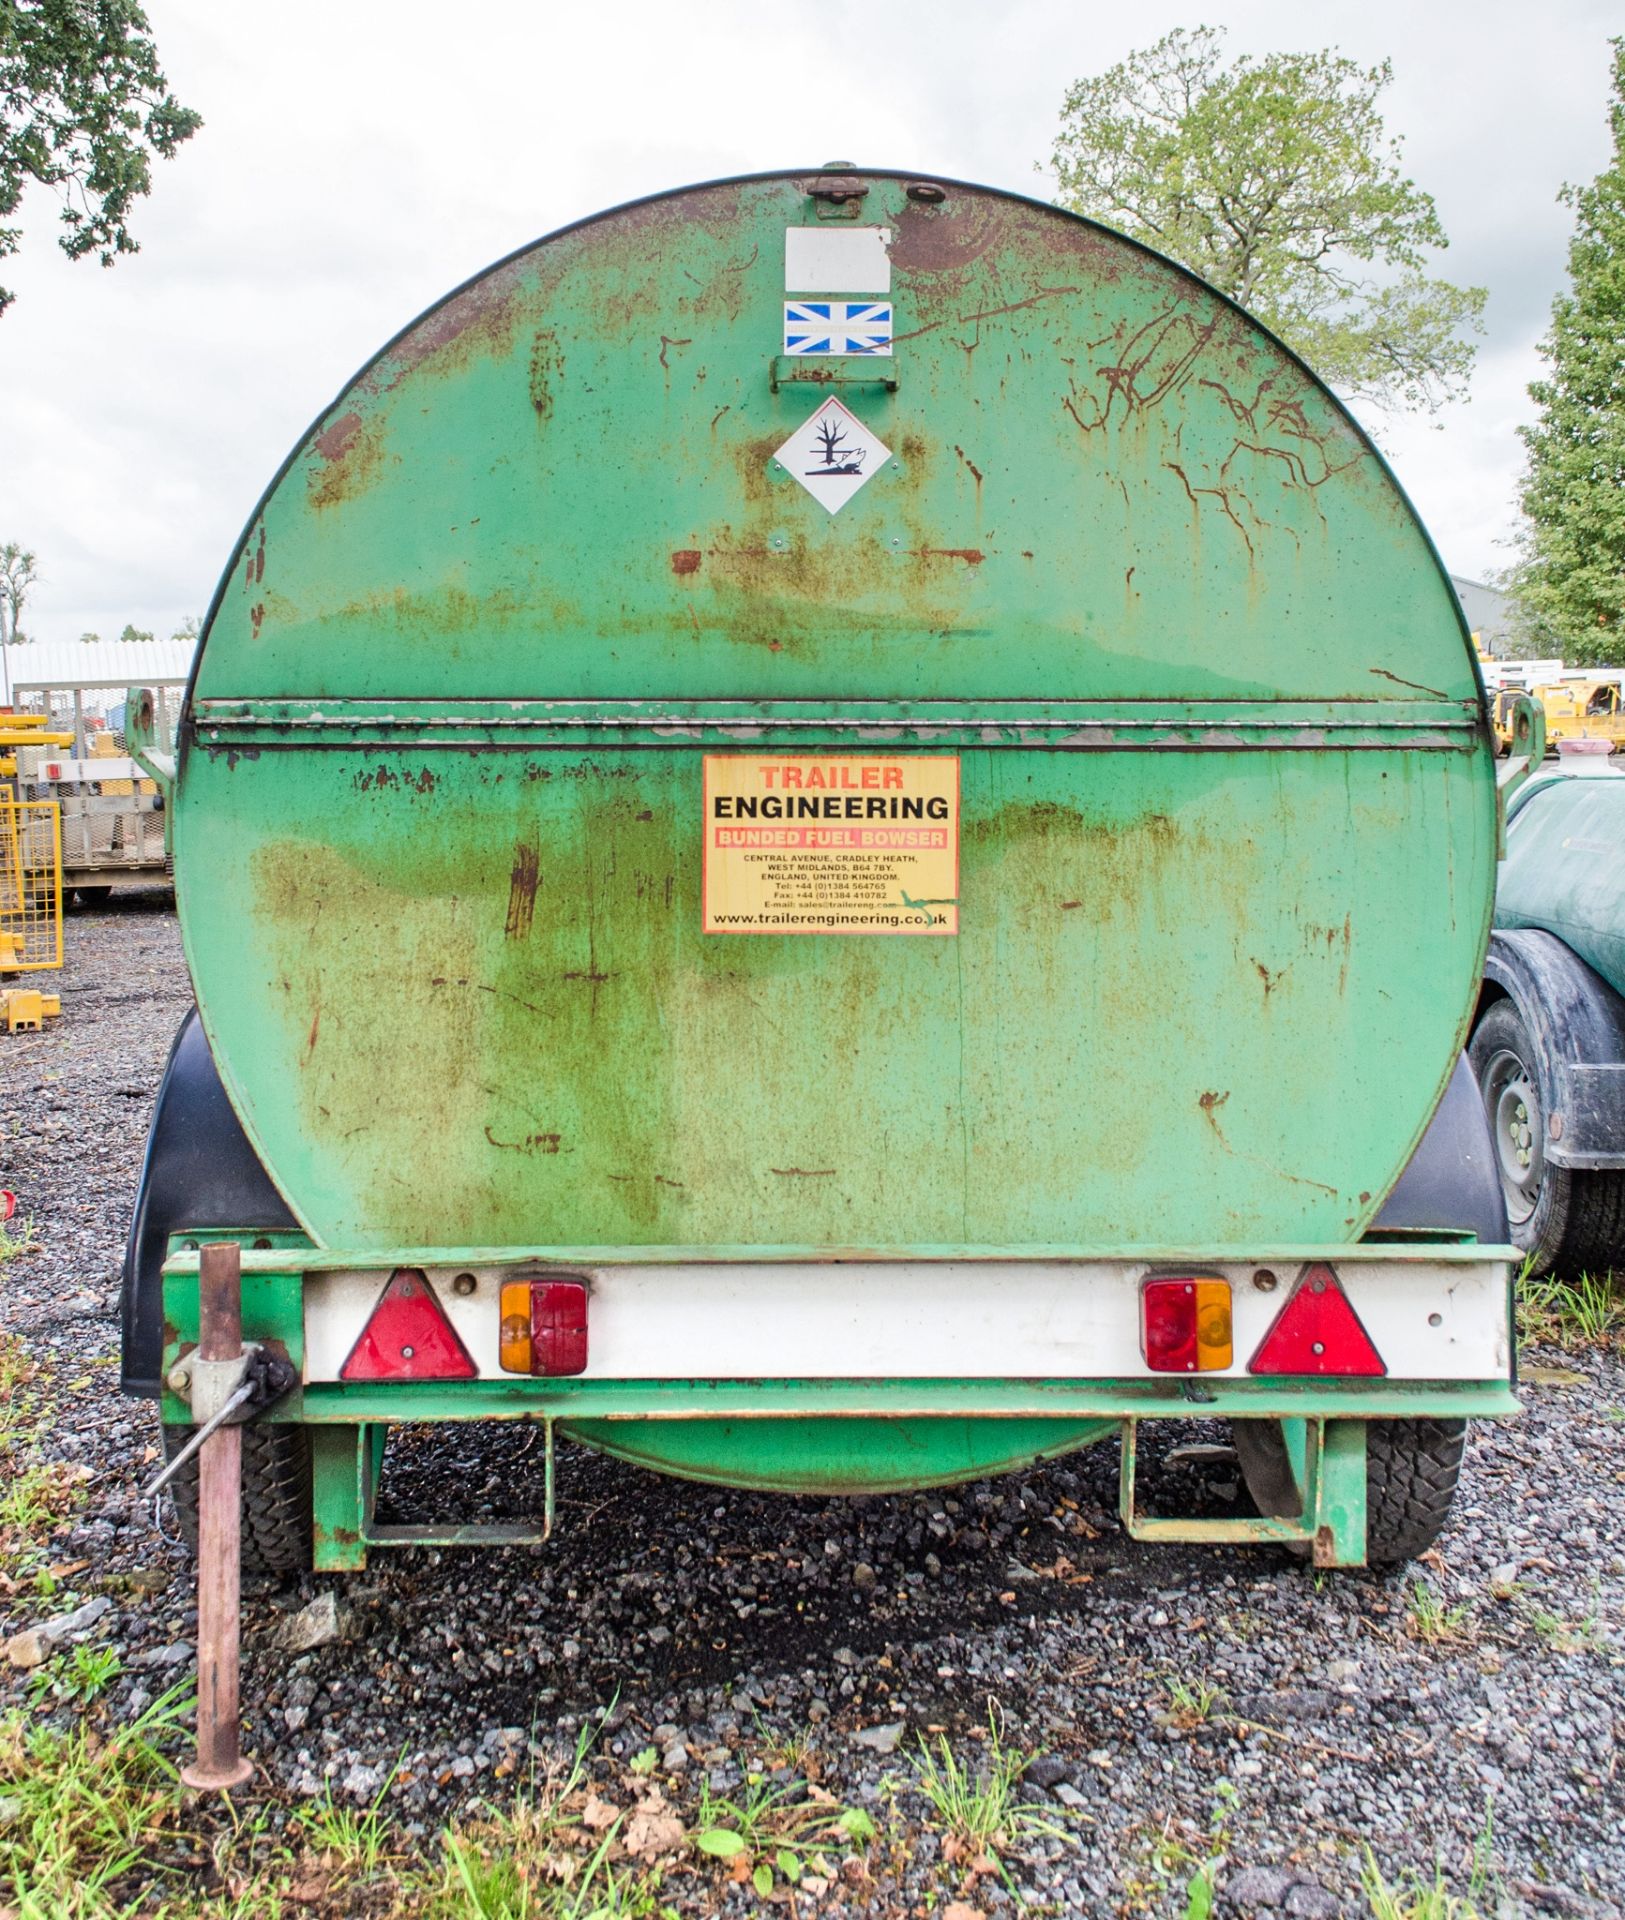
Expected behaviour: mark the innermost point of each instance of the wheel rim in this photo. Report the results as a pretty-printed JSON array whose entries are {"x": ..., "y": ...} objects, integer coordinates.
[{"x": 1513, "y": 1107}]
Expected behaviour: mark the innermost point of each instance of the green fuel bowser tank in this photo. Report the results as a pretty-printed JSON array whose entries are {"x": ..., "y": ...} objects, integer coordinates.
[{"x": 836, "y": 830}]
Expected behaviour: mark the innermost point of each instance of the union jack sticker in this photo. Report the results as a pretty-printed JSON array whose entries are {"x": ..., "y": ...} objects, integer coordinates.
[{"x": 837, "y": 326}]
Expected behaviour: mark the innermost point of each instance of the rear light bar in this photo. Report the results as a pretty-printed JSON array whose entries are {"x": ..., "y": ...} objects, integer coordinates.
[
  {"x": 1185, "y": 1323},
  {"x": 544, "y": 1327}
]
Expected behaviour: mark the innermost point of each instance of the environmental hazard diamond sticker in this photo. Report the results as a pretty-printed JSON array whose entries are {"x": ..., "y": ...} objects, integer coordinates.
[{"x": 832, "y": 454}]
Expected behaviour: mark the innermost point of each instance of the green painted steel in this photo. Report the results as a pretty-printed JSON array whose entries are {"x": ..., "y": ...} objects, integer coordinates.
[
  {"x": 1328, "y": 1463},
  {"x": 857, "y": 1455},
  {"x": 1229, "y": 819},
  {"x": 1562, "y": 869}
]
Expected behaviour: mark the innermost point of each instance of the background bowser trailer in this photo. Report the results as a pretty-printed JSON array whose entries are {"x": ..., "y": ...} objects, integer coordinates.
[
  {"x": 112, "y": 818},
  {"x": 1072, "y": 1042},
  {"x": 1548, "y": 1045}
]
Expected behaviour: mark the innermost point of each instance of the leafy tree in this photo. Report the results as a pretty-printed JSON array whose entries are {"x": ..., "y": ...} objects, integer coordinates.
[
  {"x": 1571, "y": 581},
  {"x": 90, "y": 639},
  {"x": 84, "y": 106},
  {"x": 133, "y": 632},
  {"x": 188, "y": 628},
  {"x": 18, "y": 576},
  {"x": 1276, "y": 181}
]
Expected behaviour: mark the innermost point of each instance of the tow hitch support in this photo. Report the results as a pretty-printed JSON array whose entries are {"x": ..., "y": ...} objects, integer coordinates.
[{"x": 219, "y": 1765}]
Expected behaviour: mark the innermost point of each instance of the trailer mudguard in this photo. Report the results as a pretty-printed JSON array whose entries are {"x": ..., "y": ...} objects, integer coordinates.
[
  {"x": 1576, "y": 1023},
  {"x": 200, "y": 1171},
  {"x": 1452, "y": 1183}
]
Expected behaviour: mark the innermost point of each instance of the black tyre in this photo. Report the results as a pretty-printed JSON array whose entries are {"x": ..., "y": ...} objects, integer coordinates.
[
  {"x": 276, "y": 1496},
  {"x": 1563, "y": 1217},
  {"x": 94, "y": 896},
  {"x": 1411, "y": 1470}
]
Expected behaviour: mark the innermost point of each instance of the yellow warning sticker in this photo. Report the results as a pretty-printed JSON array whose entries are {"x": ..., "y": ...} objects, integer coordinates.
[{"x": 831, "y": 843}]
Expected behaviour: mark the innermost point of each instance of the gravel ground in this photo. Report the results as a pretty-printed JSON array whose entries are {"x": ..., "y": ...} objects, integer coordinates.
[{"x": 734, "y": 1631}]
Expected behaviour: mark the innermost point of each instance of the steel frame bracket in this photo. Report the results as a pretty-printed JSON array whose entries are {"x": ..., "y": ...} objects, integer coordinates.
[
  {"x": 1327, "y": 1459},
  {"x": 345, "y": 1466}
]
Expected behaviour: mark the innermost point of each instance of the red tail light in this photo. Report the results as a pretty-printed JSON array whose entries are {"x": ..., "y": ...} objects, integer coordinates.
[
  {"x": 408, "y": 1336},
  {"x": 1186, "y": 1324},
  {"x": 1317, "y": 1331},
  {"x": 544, "y": 1327}
]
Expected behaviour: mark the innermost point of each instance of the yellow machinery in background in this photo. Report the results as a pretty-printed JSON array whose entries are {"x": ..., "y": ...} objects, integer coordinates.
[
  {"x": 30, "y": 881},
  {"x": 1579, "y": 706}
]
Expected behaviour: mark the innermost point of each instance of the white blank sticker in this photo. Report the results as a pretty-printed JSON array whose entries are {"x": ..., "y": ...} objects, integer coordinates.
[{"x": 837, "y": 260}]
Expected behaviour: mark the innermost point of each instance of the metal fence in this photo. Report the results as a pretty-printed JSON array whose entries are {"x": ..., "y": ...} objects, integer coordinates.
[
  {"x": 112, "y": 819},
  {"x": 30, "y": 885}
]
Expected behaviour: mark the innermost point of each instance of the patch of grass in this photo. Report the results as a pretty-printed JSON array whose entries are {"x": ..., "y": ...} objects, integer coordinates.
[
  {"x": 1566, "y": 1636},
  {"x": 353, "y": 1840},
  {"x": 1415, "y": 1898},
  {"x": 81, "y": 1676},
  {"x": 772, "y": 1837},
  {"x": 1180, "y": 1854},
  {"x": 977, "y": 1808},
  {"x": 85, "y": 1810},
  {"x": 1430, "y": 1620},
  {"x": 1191, "y": 1703},
  {"x": 17, "y": 1236},
  {"x": 1585, "y": 1312},
  {"x": 792, "y": 1750}
]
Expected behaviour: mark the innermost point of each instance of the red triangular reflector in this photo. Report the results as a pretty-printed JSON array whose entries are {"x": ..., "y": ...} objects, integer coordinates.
[
  {"x": 408, "y": 1336},
  {"x": 1317, "y": 1331}
]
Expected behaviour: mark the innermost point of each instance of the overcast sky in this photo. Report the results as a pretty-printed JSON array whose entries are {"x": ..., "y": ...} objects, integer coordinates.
[{"x": 358, "y": 159}]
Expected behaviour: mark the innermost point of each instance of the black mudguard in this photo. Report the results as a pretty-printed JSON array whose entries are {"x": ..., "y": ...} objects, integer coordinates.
[
  {"x": 1576, "y": 1022},
  {"x": 1452, "y": 1183},
  {"x": 200, "y": 1171}
]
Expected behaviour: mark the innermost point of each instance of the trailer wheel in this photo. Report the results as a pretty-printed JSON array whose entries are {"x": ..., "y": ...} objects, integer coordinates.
[
  {"x": 94, "y": 896},
  {"x": 1565, "y": 1217},
  {"x": 276, "y": 1496},
  {"x": 1411, "y": 1470}
]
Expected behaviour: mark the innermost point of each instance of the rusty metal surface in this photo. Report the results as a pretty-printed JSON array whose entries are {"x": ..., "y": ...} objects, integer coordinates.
[{"x": 462, "y": 979}]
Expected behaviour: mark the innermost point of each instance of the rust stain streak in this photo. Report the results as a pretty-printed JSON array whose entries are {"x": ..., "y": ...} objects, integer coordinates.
[
  {"x": 1383, "y": 673},
  {"x": 522, "y": 891},
  {"x": 666, "y": 341},
  {"x": 988, "y": 313},
  {"x": 531, "y": 1143},
  {"x": 802, "y": 1173},
  {"x": 1210, "y": 1103}
]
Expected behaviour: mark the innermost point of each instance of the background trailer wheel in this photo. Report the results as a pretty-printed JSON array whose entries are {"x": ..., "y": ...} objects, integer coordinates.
[
  {"x": 1411, "y": 1470},
  {"x": 276, "y": 1496},
  {"x": 1566, "y": 1217}
]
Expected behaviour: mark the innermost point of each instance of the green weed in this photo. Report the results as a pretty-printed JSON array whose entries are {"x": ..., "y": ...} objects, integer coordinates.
[
  {"x": 1191, "y": 1703},
  {"x": 1566, "y": 1636},
  {"x": 1430, "y": 1620},
  {"x": 17, "y": 1236},
  {"x": 81, "y": 1676},
  {"x": 354, "y": 1839},
  {"x": 777, "y": 1837},
  {"x": 977, "y": 1807},
  {"x": 1586, "y": 1312},
  {"x": 84, "y": 1810}
]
